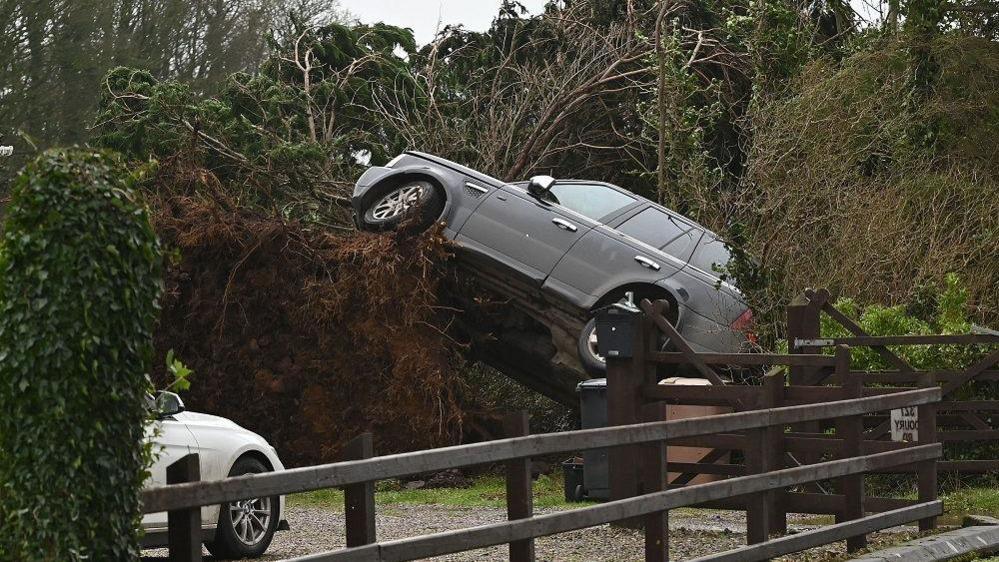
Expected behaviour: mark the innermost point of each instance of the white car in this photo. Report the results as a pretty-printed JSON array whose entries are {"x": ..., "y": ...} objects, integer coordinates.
[{"x": 241, "y": 529}]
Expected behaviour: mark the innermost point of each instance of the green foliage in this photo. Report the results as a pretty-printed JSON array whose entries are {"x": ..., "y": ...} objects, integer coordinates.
[
  {"x": 80, "y": 277},
  {"x": 285, "y": 137},
  {"x": 180, "y": 373},
  {"x": 950, "y": 315},
  {"x": 54, "y": 53},
  {"x": 836, "y": 194}
]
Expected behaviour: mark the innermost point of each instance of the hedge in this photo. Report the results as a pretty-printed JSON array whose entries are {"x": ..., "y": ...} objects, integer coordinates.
[{"x": 80, "y": 278}]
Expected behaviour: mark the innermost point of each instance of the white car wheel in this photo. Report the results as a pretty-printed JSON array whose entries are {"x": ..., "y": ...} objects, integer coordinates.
[{"x": 245, "y": 528}]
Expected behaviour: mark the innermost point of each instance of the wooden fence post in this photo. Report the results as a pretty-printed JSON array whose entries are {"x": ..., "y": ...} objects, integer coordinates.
[
  {"x": 654, "y": 480},
  {"x": 519, "y": 494},
  {"x": 803, "y": 322},
  {"x": 625, "y": 378},
  {"x": 927, "y": 470},
  {"x": 760, "y": 457},
  {"x": 184, "y": 525},
  {"x": 851, "y": 431},
  {"x": 773, "y": 396},
  {"x": 359, "y": 499}
]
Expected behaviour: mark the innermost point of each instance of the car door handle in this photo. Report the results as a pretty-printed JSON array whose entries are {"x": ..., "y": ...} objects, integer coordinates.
[
  {"x": 565, "y": 225},
  {"x": 647, "y": 263}
]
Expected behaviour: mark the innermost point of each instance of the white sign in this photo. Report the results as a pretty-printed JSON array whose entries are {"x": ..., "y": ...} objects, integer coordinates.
[
  {"x": 905, "y": 424},
  {"x": 6, "y": 150}
]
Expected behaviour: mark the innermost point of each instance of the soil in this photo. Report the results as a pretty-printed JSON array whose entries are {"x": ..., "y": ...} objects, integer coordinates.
[{"x": 310, "y": 338}]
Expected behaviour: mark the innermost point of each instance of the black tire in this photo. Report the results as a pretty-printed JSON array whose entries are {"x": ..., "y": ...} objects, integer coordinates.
[
  {"x": 591, "y": 363},
  {"x": 428, "y": 207},
  {"x": 227, "y": 543}
]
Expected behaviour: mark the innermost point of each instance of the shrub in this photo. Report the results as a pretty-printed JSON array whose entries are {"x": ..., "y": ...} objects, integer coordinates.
[
  {"x": 80, "y": 277},
  {"x": 943, "y": 309},
  {"x": 939, "y": 310}
]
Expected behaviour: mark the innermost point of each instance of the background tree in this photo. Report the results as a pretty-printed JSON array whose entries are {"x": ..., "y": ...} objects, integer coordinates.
[{"x": 54, "y": 53}]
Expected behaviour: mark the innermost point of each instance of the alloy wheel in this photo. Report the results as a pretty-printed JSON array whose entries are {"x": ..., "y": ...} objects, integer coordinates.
[
  {"x": 591, "y": 344},
  {"x": 397, "y": 202},
  {"x": 250, "y": 519}
]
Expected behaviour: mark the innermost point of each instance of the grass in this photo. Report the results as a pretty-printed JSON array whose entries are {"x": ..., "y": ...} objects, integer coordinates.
[
  {"x": 486, "y": 491},
  {"x": 490, "y": 491},
  {"x": 969, "y": 501}
]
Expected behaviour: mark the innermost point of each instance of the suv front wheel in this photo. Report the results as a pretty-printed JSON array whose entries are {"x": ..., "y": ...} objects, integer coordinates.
[{"x": 387, "y": 204}]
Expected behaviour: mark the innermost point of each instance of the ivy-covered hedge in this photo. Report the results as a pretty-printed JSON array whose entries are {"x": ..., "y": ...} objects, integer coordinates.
[{"x": 80, "y": 278}]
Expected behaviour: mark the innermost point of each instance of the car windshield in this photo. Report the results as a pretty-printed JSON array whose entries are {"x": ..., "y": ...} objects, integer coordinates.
[{"x": 589, "y": 199}]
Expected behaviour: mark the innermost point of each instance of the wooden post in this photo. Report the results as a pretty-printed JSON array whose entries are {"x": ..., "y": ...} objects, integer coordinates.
[
  {"x": 359, "y": 499},
  {"x": 851, "y": 431},
  {"x": 625, "y": 378},
  {"x": 184, "y": 525},
  {"x": 773, "y": 396},
  {"x": 654, "y": 480},
  {"x": 927, "y": 470},
  {"x": 803, "y": 321},
  {"x": 761, "y": 446},
  {"x": 519, "y": 494}
]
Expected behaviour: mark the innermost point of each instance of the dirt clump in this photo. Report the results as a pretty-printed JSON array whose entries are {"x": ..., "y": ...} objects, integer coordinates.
[{"x": 309, "y": 337}]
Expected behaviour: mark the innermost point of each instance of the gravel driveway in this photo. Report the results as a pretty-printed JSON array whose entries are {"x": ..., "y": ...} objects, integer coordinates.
[{"x": 692, "y": 533}]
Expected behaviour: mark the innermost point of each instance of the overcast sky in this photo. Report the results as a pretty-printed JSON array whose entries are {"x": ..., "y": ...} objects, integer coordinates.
[{"x": 424, "y": 16}]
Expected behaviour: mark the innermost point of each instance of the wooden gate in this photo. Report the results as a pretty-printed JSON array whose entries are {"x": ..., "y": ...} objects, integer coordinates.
[
  {"x": 959, "y": 420},
  {"x": 634, "y": 395}
]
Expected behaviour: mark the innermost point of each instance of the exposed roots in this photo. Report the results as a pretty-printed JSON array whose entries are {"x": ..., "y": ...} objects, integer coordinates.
[{"x": 310, "y": 338}]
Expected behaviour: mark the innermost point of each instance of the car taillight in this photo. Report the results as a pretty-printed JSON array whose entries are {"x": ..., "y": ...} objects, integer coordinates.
[{"x": 744, "y": 324}]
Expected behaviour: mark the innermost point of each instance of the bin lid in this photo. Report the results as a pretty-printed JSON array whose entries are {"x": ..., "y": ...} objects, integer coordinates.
[{"x": 592, "y": 384}]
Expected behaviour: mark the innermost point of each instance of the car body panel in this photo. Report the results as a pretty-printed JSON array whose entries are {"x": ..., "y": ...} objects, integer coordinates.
[
  {"x": 515, "y": 228},
  {"x": 604, "y": 260},
  {"x": 172, "y": 441},
  {"x": 219, "y": 442}
]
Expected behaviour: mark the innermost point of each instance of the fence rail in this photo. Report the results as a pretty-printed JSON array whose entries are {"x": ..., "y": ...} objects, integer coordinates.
[{"x": 295, "y": 480}]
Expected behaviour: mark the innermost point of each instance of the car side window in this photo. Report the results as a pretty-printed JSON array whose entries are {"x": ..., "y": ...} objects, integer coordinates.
[
  {"x": 711, "y": 255},
  {"x": 588, "y": 199},
  {"x": 660, "y": 230}
]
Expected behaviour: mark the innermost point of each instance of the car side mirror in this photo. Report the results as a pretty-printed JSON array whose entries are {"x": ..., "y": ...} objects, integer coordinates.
[
  {"x": 540, "y": 185},
  {"x": 168, "y": 404}
]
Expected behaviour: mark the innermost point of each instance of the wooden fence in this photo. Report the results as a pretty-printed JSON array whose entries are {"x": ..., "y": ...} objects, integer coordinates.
[
  {"x": 634, "y": 393},
  {"x": 640, "y": 495},
  {"x": 961, "y": 420}
]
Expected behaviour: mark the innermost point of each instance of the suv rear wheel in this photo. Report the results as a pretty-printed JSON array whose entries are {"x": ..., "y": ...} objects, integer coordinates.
[{"x": 589, "y": 353}]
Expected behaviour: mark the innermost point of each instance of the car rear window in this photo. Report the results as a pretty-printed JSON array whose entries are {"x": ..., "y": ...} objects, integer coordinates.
[
  {"x": 589, "y": 199},
  {"x": 711, "y": 255}
]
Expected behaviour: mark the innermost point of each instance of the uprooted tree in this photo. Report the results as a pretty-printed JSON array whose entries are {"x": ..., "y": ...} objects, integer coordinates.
[
  {"x": 838, "y": 152},
  {"x": 80, "y": 280}
]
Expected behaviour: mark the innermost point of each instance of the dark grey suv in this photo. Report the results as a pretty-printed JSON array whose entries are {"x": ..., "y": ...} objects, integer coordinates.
[{"x": 564, "y": 248}]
